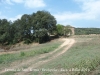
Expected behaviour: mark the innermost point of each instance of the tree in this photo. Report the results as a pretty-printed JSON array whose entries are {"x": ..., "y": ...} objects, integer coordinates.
[
  {"x": 4, "y": 32},
  {"x": 26, "y": 25},
  {"x": 22, "y": 29},
  {"x": 17, "y": 31},
  {"x": 43, "y": 23},
  {"x": 28, "y": 28},
  {"x": 60, "y": 29}
]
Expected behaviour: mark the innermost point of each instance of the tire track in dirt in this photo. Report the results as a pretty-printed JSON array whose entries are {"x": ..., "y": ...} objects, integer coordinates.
[
  {"x": 35, "y": 58},
  {"x": 68, "y": 43}
]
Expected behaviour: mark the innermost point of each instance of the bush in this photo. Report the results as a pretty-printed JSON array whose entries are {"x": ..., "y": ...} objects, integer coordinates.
[
  {"x": 22, "y": 54},
  {"x": 15, "y": 41},
  {"x": 44, "y": 39},
  {"x": 27, "y": 41}
]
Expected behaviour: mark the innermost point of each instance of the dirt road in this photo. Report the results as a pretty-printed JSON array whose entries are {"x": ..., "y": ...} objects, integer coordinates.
[{"x": 42, "y": 59}]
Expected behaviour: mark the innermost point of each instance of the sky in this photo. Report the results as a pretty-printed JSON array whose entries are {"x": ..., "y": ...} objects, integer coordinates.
[{"x": 77, "y": 13}]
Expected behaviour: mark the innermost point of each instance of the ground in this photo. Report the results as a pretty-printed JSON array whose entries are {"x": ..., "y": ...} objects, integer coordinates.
[
  {"x": 82, "y": 52},
  {"x": 38, "y": 59}
]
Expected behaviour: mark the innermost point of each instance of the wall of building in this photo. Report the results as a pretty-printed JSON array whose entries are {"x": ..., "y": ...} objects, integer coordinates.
[{"x": 72, "y": 29}]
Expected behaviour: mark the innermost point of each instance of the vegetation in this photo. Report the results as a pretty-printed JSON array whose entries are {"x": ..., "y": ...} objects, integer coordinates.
[
  {"x": 83, "y": 58},
  {"x": 40, "y": 49},
  {"x": 36, "y": 27},
  {"x": 8, "y": 60},
  {"x": 87, "y": 31},
  {"x": 60, "y": 30},
  {"x": 63, "y": 30},
  {"x": 28, "y": 28}
]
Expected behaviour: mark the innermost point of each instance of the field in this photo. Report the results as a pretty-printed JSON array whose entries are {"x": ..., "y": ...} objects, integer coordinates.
[{"x": 81, "y": 57}]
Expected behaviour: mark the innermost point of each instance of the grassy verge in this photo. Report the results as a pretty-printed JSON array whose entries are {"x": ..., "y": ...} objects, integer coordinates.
[{"x": 81, "y": 59}]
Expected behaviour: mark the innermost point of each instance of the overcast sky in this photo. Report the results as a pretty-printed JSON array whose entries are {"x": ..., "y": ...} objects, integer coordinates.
[{"x": 78, "y": 13}]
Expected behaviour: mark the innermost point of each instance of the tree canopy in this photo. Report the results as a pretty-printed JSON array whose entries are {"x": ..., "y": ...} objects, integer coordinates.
[{"x": 29, "y": 28}]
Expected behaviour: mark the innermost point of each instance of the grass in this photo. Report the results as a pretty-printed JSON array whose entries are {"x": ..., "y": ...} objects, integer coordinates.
[
  {"x": 7, "y": 73},
  {"x": 83, "y": 56},
  {"x": 7, "y": 59}
]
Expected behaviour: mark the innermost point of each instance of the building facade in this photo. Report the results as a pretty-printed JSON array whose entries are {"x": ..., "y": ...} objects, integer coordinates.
[{"x": 73, "y": 30}]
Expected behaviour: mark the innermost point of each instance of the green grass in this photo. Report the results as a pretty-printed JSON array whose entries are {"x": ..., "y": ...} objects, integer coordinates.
[
  {"x": 85, "y": 54},
  {"x": 6, "y": 59},
  {"x": 8, "y": 73}
]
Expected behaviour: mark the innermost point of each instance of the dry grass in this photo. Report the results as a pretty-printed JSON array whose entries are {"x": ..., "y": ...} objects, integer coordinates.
[{"x": 84, "y": 55}]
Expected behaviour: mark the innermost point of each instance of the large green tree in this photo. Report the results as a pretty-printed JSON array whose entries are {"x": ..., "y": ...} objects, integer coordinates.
[
  {"x": 43, "y": 23},
  {"x": 28, "y": 28}
]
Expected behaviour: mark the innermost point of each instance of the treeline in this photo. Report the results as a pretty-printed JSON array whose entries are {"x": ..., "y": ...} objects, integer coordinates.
[
  {"x": 34, "y": 27},
  {"x": 87, "y": 31}
]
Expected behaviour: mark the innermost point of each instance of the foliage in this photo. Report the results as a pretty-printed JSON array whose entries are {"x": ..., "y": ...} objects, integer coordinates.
[
  {"x": 28, "y": 28},
  {"x": 87, "y": 31},
  {"x": 43, "y": 23},
  {"x": 63, "y": 30},
  {"x": 44, "y": 20},
  {"x": 22, "y": 54},
  {"x": 60, "y": 29},
  {"x": 5, "y": 35},
  {"x": 27, "y": 41}
]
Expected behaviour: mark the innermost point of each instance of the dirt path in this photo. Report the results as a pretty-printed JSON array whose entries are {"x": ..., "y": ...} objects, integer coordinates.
[
  {"x": 68, "y": 43},
  {"x": 38, "y": 60}
]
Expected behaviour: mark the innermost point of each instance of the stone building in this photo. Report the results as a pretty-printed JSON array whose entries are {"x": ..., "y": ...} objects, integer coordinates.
[{"x": 72, "y": 29}]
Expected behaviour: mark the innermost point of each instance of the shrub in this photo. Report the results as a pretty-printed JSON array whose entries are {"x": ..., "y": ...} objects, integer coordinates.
[
  {"x": 22, "y": 54},
  {"x": 27, "y": 41}
]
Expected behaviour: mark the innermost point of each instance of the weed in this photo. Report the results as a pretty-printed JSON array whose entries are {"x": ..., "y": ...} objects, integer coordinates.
[{"x": 22, "y": 53}]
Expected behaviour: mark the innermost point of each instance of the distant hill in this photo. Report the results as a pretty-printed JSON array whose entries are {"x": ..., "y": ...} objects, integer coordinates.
[{"x": 87, "y": 31}]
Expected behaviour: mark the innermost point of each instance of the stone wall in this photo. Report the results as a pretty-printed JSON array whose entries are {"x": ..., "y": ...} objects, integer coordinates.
[{"x": 73, "y": 30}]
